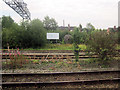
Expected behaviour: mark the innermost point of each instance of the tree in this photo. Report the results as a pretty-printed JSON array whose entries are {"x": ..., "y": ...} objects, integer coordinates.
[
  {"x": 36, "y": 33},
  {"x": 80, "y": 27},
  {"x": 76, "y": 36},
  {"x": 68, "y": 39},
  {"x": 7, "y": 22},
  {"x": 103, "y": 45},
  {"x": 50, "y": 23},
  {"x": 63, "y": 33},
  {"x": 26, "y": 35},
  {"x": 9, "y": 32},
  {"x": 90, "y": 28},
  {"x": 76, "y": 41}
]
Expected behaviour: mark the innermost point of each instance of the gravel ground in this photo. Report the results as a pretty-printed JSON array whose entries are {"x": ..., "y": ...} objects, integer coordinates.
[
  {"x": 62, "y": 66},
  {"x": 111, "y": 85},
  {"x": 61, "y": 77},
  {"x": 57, "y": 70}
]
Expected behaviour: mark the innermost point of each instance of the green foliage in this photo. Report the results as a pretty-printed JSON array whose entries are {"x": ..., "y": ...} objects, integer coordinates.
[
  {"x": 50, "y": 23},
  {"x": 76, "y": 36},
  {"x": 83, "y": 37},
  {"x": 63, "y": 33},
  {"x": 7, "y": 22},
  {"x": 17, "y": 59},
  {"x": 68, "y": 39},
  {"x": 37, "y": 34},
  {"x": 79, "y": 36},
  {"x": 82, "y": 47},
  {"x": 57, "y": 47},
  {"x": 35, "y": 61},
  {"x": 10, "y": 32},
  {"x": 9, "y": 35},
  {"x": 103, "y": 45},
  {"x": 76, "y": 51},
  {"x": 118, "y": 35},
  {"x": 26, "y": 35},
  {"x": 90, "y": 28},
  {"x": 76, "y": 41},
  {"x": 80, "y": 27}
]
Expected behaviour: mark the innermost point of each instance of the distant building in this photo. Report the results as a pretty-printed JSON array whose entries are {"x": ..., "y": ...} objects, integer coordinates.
[
  {"x": 70, "y": 28},
  {"x": 114, "y": 29},
  {"x": 66, "y": 28}
]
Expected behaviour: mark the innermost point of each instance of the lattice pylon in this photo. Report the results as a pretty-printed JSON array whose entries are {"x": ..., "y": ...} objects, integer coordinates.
[{"x": 20, "y": 7}]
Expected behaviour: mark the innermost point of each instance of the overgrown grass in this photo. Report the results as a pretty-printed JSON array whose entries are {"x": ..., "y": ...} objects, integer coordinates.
[
  {"x": 59, "y": 47},
  {"x": 65, "y": 65},
  {"x": 118, "y": 46},
  {"x": 82, "y": 47}
]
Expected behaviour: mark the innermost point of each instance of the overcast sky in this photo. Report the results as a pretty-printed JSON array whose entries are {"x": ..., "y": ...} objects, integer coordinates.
[{"x": 100, "y": 13}]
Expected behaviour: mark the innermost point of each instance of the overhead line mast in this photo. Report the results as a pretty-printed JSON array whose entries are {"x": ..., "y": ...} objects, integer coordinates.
[{"x": 20, "y": 7}]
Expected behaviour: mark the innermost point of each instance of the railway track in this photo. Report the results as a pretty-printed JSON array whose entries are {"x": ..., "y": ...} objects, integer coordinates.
[
  {"x": 105, "y": 83},
  {"x": 62, "y": 80},
  {"x": 51, "y": 54},
  {"x": 48, "y": 51}
]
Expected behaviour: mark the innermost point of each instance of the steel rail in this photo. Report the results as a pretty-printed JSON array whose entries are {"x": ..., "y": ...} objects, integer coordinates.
[
  {"x": 7, "y": 84},
  {"x": 58, "y": 73}
]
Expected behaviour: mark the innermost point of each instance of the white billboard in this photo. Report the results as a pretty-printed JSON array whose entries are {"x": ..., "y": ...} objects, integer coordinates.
[{"x": 52, "y": 35}]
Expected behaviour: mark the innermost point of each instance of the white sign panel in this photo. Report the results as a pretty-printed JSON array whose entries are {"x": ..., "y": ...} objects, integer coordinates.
[{"x": 52, "y": 35}]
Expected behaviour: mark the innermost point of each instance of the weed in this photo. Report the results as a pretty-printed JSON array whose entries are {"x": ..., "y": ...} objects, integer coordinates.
[{"x": 17, "y": 59}]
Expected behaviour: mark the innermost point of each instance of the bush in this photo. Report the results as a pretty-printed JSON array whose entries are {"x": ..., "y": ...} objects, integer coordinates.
[
  {"x": 27, "y": 35},
  {"x": 103, "y": 45},
  {"x": 63, "y": 33},
  {"x": 76, "y": 51},
  {"x": 36, "y": 34},
  {"x": 76, "y": 36},
  {"x": 76, "y": 41},
  {"x": 118, "y": 35},
  {"x": 68, "y": 39}
]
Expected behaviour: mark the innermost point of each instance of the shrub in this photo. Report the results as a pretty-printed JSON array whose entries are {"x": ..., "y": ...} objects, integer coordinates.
[
  {"x": 118, "y": 35},
  {"x": 76, "y": 36},
  {"x": 76, "y": 41},
  {"x": 63, "y": 33},
  {"x": 76, "y": 51},
  {"x": 26, "y": 35},
  {"x": 104, "y": 45},
  {"x": 68, "y": 39},
  {"x": 36, "y": 34}
]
